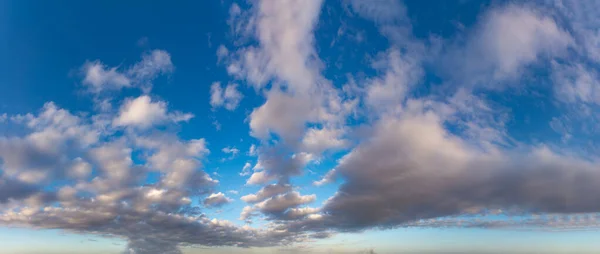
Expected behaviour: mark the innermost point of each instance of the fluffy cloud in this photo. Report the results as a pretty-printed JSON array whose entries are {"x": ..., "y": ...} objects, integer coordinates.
[
  {"x": 282, "y": 206},
  {"x": 107, "y": 194},
  {"x": 216, "y": 200},
  {"x": 143, "y": 112},
  {"x": 420, "y": 155},
  {"x": 43, "y": 153},
  {"x": 417, "y": 170},
  {"x": 98, "y": 77},
  {"x": 319, "y": 140}
]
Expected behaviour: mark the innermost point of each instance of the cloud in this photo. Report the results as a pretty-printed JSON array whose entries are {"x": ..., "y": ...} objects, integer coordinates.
[
  {"x": 267, "y": 192},
  {"x": 282, "y": 202},
  {"x": 401, "y": 73},
  {"x": 582, "y": 17},
  {"x": 282, "y": 206},
  {"x": 229, "y": 98},
  {"x": 416, "y": 155},
  {"x": 252, "y": 150},
  {"x": 417, "y": 170},
  {"x": 153, "y": 63},
  {"x": 284, "y": 30},
  {"x": 575, "y": 83},
  {"x": 387, "y": 11},
  {"x": 14, "y": 189},
  {"x": 230, "y": 150},
  {"x": 100, "y": 78},
  {"x": 142, "y": 112},
  {"x": 42, "y": 153},
  {"x": 216, "y": 200},
  {"x": 80, "y": 168},
  {"x": 317, "y": 141},
  {"x": 246, "y": 169},
  {"x": 107, "y": 193},
  {"x": 506, "y": 41}
]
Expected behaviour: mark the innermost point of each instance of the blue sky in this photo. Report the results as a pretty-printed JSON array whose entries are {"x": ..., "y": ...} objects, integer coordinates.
[{"x": 299, "y": 126}]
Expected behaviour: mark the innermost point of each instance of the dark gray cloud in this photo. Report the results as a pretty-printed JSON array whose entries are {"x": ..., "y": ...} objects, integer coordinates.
[
  {"x": 412, "y": 168},
  {"x": 14, "y": 189}
]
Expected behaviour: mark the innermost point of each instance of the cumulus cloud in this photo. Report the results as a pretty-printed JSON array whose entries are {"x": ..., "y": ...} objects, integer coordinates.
[
  {"x": 415, "y": 156},
  {"x": 319, "y": 140},
  {"x": 42, "y": 154},
  {"x": 283, "y": 206},
  {"x": 216, "y": 200},
  {"x": 108, "y": 194},
  {"x": 143, "y": 112}
]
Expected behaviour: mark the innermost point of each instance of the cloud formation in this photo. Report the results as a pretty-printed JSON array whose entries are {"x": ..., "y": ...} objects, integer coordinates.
[
  {"x": 407, "y": 151},
  {"x": 99, "y": 77}
]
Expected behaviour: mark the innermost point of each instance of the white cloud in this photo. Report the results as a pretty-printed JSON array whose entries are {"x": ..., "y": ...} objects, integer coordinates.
[
  {"x": 261, "y": 177},
  {"x": 229, "y": 98},
  {"x": 143, "y": 112},
  {"x": 252, "y": 150},
  {"x": 507, "y": 40},
  {"x": 583, "y": 19},
  {"x": 284, "y": 29},
  {"x": 246, "y": 169},
  {"x": 153, "y": 63},
  {"x": 232, "y": 151},
  {"x": 282, "y": 114},
  {"x": 401, "y": 74},
  {"x": 576, "y": 83},
  {"x": 51, "y": 137},
  {"x": 98, "y": 77},
  {"x": 317, "y": 141}
]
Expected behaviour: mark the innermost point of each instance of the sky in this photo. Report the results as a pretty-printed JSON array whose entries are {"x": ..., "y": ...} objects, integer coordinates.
[{"x": 292, "y": 126}]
